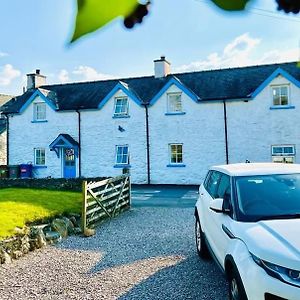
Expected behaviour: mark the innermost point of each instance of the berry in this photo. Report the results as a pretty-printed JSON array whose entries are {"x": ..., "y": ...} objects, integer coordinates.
[
  {"x": 129, "y": 22},
  {"x": 140, "y": 11},
  {"x": 289, "y": 6}
]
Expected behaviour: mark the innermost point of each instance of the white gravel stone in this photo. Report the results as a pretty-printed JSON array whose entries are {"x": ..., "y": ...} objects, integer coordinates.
[{"x": 146, "y": 253}]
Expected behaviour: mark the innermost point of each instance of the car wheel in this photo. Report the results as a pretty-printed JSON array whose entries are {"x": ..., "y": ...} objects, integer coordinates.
[
  {"x": 236, "y": 288},
  {"x": 202, "y": 249}
]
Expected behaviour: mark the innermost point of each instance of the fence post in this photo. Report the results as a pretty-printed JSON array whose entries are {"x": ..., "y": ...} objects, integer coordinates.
[
  {"x": 129, "y": 183},
  {"x": 84, "y": 205}
]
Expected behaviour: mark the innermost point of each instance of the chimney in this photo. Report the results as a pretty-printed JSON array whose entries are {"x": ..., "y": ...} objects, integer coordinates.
[
  {"x": 161, "y": 67},
  {"x": 35, "y": 80}
]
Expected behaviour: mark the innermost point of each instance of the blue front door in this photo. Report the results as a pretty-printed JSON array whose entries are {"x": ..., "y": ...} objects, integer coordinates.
[{"x": 69, "y": 162}]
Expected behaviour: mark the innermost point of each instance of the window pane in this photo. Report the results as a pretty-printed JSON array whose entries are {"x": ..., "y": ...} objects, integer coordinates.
[
  {"x": 213, "y": 184},
  {"x": 284, "y": 91},
  {"x": 284, "y": 100},
  {"x": 276, "y": 100},
  {"x": 224, "y": 186},
  {"x": 40, "y": 111},
  {"x": 122, "y": 156},
  {"x": 121, "y": 106},
  {"x": 174, "y": 103},
  {"x": 288, "y": 150},
  {"x": 277, "y": 150},
  {"x": 176, "y": 153},
  {"x": 40, "y": 156}
]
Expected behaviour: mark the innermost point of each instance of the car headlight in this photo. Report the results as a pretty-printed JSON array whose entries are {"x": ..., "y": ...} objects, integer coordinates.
[{"x": 284, "y": 274}]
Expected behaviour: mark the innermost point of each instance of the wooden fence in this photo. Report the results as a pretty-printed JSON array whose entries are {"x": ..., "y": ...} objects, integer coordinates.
[{"x": 104, "y": 199}]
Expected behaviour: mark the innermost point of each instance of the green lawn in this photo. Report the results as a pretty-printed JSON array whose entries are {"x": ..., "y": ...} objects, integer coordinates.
[{"x": 21, "y": 206}]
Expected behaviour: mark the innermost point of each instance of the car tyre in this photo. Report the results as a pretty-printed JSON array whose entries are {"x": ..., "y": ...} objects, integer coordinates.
[
  {"x": 236, "y": 287},
  {"x": 201, "y": 245}
]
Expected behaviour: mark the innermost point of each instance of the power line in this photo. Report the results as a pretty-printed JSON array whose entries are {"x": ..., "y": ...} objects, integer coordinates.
[{"x": 264, "y": 13}]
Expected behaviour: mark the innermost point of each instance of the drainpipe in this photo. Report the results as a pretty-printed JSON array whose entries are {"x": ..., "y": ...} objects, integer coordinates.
[
  {"x": 79, "y": 143},
  {"x": 148, "y": 145},
  {"x": 7, "y": 139},
  {"x": 226, "y": 133}
]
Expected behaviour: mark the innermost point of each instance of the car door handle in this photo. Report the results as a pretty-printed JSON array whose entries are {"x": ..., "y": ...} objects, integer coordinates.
[{"x": 201, "y": 194}]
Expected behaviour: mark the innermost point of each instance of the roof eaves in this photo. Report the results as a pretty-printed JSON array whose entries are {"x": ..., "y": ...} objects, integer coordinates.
[{"x": 278, "y": 71}]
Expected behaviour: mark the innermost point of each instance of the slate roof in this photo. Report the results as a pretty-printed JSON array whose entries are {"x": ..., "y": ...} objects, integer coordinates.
[{"x": 222, "y": 84}]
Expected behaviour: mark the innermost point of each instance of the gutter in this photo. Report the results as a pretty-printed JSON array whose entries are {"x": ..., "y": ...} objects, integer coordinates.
[
  {"x": 148, "y": 145},
  {"x": 7, "y": 139},
  {"x": 79, "y": 143},
  {"x": 226, "y": 132}
]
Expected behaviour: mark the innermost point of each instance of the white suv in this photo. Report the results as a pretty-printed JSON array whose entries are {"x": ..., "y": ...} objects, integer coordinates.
[{"x": 248, "y": 220}]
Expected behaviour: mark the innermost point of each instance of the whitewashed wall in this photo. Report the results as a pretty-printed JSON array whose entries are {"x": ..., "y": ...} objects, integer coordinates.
[
  {"x": 24, "y": 136},
  {"x": 253, "y": 127},
  {"x": 200, "y": 130},
  {"x": 100, "y": 135},
  {"x": 3, "y": 149}
]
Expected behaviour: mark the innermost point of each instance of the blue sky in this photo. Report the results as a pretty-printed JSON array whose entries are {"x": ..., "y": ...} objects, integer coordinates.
[{"x": 192, "y": 34}]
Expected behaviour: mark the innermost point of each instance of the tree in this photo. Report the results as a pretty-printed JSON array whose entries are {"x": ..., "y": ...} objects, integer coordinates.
[{"x": 94, "y": 14}]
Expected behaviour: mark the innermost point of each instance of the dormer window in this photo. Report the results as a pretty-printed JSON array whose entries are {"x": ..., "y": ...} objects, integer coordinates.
[
  {"x": 283, "y": 153},
  {"x": 39, "y": 111},
  {"x": 121, "y": 107},
  {"x": 174, "y": 103},
  {"x": 280, "y": 95}
]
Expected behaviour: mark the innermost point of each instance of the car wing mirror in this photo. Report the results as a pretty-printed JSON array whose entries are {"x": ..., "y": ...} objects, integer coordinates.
[{"x": 216, "y": 205}]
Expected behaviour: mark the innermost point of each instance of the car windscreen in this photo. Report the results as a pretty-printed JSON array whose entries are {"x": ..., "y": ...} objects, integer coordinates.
[{"x": 267, "y": 197}]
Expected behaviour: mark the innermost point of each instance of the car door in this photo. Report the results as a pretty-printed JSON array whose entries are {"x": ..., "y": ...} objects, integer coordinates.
[
  {"x": 207, "y": 194},
  {"x": 215, "y": 234}
]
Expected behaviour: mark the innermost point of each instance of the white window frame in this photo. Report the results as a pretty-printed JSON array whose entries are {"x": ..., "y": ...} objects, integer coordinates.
[
  {"x": 173, "y": 108},
  {"x": 123, "y": 155},
  {"x": 122, "y": 113},
  {"x": 177, "y": 153},
  {"x": 35, "y": 111},
  {"x": 282, "y": 156},
  {"x": 279, "y": 86},
  {"x": 36, "y": 156}
]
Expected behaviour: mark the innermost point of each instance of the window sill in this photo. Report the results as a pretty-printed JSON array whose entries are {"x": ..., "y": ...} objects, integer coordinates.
[
  {"x": 39, "y": 121},
  {"x": 176, "y": 165},
  {"x": 39, "y": 167},
  {"x": 175, "y": 113},
  {"x": 121, "y": 116},
  {"x": 282, "y": 107},
  {"x": 122, "y": 166}
]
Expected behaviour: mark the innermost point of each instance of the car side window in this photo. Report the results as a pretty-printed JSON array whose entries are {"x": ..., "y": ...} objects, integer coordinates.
[
  {"x": 212, "y": 183},
  {"x": 224, "y": 187},
  {"x": 207, "y": 179}
]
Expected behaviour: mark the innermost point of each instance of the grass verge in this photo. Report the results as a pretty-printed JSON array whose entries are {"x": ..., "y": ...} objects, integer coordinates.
[{"x": 22, "y": 206}]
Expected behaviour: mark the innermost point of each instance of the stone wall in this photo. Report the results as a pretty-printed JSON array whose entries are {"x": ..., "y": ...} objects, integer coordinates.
[{"x": 62, "y": 184}]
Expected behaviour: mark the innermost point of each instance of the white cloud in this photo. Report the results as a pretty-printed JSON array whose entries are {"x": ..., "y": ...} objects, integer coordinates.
[
  {"x": 63, "y": 76},
  {"x": 3, "y": 54},
  {"x": 87, "y": 73},
  {"x": 82, "y": 73},
  {"x": 241, "y": 52},
  {"x": 7, "y": 74}
]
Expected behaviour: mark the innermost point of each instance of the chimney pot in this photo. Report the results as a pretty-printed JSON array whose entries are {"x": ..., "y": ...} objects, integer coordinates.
[
  {"x": 35, "y": 80},
  {"x": 161, "y": 67}
]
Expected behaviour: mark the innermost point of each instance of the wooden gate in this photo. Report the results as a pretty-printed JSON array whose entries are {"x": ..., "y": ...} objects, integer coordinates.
[{"x": 104, "y": 199}]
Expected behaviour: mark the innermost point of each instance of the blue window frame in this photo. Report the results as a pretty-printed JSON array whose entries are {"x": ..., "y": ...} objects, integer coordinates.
[
  {"x": 122, "y": 155},
  {"x": 121, "y": 107}
]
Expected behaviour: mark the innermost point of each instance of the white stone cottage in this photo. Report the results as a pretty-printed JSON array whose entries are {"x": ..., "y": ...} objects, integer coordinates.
[
  {"x": 163, "y": 129},
  {"x": 3, "y": 135}
]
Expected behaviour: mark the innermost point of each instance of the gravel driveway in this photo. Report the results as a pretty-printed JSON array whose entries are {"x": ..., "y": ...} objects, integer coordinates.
[{"x": 146, "y": 253}]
